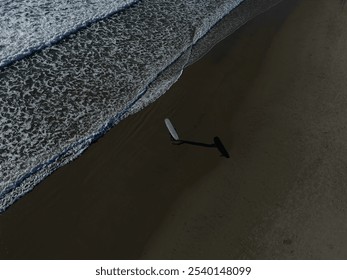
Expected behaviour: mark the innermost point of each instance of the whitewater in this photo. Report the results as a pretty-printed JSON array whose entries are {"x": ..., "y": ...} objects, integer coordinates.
[
  {"x": 28, "y": 26},
  {"x": 70, "y": 70}
]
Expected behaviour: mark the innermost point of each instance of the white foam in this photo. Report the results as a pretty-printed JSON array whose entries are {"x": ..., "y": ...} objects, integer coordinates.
[
  {"x": 26, "y": 26},
  {"x": 56, "y": 102}
]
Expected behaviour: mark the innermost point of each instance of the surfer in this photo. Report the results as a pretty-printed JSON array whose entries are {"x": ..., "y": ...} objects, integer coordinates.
[{"x": 217, "y": 143}]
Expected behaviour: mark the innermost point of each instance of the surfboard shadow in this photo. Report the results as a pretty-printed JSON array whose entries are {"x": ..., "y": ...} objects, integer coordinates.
[{"x": 217, "y": 143}]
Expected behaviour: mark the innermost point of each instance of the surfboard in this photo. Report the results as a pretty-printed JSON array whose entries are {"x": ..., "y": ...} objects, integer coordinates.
[{"x": 171, "y": 129}]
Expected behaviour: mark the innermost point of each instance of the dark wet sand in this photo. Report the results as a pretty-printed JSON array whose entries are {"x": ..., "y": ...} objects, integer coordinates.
[{"x": 275, "y": 94}]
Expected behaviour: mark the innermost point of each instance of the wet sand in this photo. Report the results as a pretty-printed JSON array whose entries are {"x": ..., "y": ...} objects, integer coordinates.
[{"x": 274, "y": 94}]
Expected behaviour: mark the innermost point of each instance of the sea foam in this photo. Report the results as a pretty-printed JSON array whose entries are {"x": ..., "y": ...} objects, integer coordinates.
[
  {"x": 28, "y": 26},
  {"x": 56, "y": 102}
]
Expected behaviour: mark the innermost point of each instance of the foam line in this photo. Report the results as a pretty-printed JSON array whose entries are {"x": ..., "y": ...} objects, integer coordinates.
[{"x": 16, "y": 49}]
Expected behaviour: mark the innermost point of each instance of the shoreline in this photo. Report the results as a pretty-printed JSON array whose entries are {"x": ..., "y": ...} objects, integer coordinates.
[
  {"x": 265, "y": 92},
  {"x": 72, "y": 179},
  {"x": 156, "y": 87}
]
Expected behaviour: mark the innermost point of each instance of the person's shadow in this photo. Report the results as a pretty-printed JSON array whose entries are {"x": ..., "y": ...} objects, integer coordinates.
[{"x": 217, "y": 143}]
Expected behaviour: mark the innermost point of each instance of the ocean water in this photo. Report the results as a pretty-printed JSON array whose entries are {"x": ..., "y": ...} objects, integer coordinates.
[
  {"x": 71, "y": 70},
  {"x": 30, "y": 25}
]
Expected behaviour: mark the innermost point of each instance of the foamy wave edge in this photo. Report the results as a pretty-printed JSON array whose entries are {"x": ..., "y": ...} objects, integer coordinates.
[
  {"x": 28, "y": 181},
  {"x": 14, "y": 58}
]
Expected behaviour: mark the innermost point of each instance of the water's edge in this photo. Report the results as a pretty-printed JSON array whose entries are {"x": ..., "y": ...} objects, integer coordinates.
[{"x": 247, "y": 10}]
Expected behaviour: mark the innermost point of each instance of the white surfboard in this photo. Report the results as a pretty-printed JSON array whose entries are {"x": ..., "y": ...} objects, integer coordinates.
[{"x": 171, "y": 129}]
